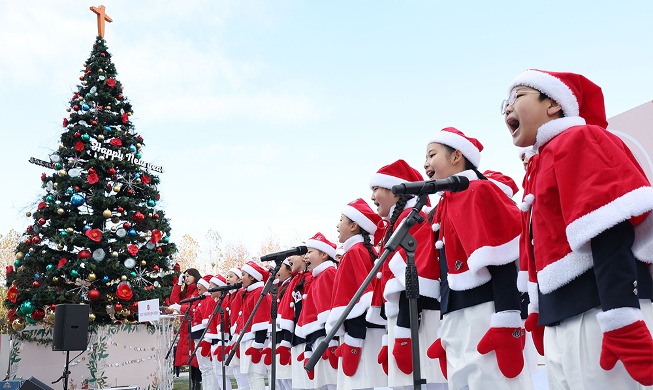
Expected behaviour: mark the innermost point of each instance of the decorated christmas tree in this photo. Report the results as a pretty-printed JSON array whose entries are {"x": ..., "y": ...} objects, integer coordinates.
[{"x": 97, "y": 235}]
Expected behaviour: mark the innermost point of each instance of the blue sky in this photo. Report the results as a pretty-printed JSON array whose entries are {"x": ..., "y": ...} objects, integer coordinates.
[{"x": 270, "y": 116}]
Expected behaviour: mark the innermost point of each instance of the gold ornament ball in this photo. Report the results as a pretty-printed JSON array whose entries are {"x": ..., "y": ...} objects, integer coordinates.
[
  {"x": 114, "y": 228},
  {"x": 91, "y": 277},
  {"x": 61, "y": 173},
  {"x": 106, "y": 213},
  {"x": 100, "y": 138},
  {"x": 125, "y": 313},
  {"x": 18, "y": 325},
  {"x": 116, "y": 188},
  {"x": 55, "y": 279},
  {"x": 91, "y": 317},
  {"x": 108, "y": 107},
  {"x": 100, "y": 70},
  {"x": 60, "y": 247},
  {"x": 143, "y": 263},
  {"x": 101, "y": 158},
  {"x": 68, "y": 109},
  {"x": 123, "y": 278},
  {"x": 56, "y": 185},
  {"x": 20, "y": 255},
  {"x": 115, "y": 219},
  {"x": 60, "y": 211},
  {"x": 28, "y": 214},
  {"x": 138, "y": 146},
  {"x": 114, "y": 254},
  {"x": 70, "y": 230},
  {"x": 50, "y": 317}
]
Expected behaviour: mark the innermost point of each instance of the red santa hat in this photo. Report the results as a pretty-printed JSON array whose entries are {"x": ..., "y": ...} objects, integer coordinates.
[
  {"x": 361, "y": 213},
  {"x": 505, "y": 183},
  {"x": 319, "y": 242},
  {"x": 236, "y": 271},
  {"x": 219, "y": 280},
  {"x": 577, "y": 95},
  {"x": 398, "y": 172},
  {"x": 257, "y": 271},
  {"x": 470, "y": 147},
  {"x": 206, "y": 279}
]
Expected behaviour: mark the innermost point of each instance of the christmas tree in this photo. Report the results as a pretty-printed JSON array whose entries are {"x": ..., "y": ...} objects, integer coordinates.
[{"x": 97, "y": 236}]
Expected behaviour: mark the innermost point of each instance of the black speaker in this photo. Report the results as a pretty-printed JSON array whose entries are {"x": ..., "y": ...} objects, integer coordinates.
[
  {"x": 34, "y": 384},
  {"x": 70, "y": 327}
]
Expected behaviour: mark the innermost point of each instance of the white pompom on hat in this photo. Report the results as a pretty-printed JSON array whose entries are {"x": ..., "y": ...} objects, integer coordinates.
[
  {"x": 577, "y": 95},
  {"x": 470, "y": 147}
]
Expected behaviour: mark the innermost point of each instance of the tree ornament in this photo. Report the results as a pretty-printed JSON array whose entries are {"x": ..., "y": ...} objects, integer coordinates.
[
  {"x": 27, "y": 307},
  {"x": 17, "y": 263},
  {"x": 129, "y": 262},
  {"x": 60, "y": 211},
  {"x": 28, "y": 214},
  {"x": 74, "y": 273},
  {"x": 143, "y": 263},
  {"x": 132, "y": 274},
  {"x": 55, "y": 279},
  {"x": 114, "y": 254},
  {"x": 61, "y": 172},
  {"x": 123, "y": 278},
  {"x": 49, "y": 199},
  {"x": 105, "y": 279},
  {"x": 36, "y": 284},
  {"x": 100, "y": 138},
  {"x": 20, "y": 255},
  {"x": 70, "y": 230},
  {"x": 91, "y": 317},
  {"x": 38, "y": 314},
  {"x": 93, "y": 295},
  {"x": 151, "y": 203},
  {"x": 18, "y": 325},
  {"x": 91, "y": 277},
  {"x": 85, "y": 137},
  {"x": 49, "y": 267},
  {"x": 106, "y": 213},
  {"x": 84, "y": 254},
  {"x": 98, "y": 255},
  {"x": 77, "y": 200},
  {"x": 118, "y": 307},
  {"x": 30, "y": 320},
  {"x": 116, "y": 189},
  {"x": 41, "y": 221}
]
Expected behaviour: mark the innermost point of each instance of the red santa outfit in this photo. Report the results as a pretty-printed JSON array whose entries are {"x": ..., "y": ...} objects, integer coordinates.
[
  {"x": 215, "y": 332},
  {"x": 587, "y": 238},
  {"x": 254, "y": 337},
  {"x": 234, "y": 301},
  {"x": 478, "y": 242},
  {"x": 360, "y": 341},
  {"x": 396, "y": 356},
  {"x": 199, "y": 324},
  {"x": 290, "y": 308},
  {"x": 315, "y": 311}
]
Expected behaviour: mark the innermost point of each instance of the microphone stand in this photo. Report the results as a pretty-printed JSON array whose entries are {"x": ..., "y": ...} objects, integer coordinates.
[
  {"x": 400, "y": 237},
  {"x": 273, "y": 318},
  {"x": 266, "y": 289},
  {"x": 221, "y": 311},
  {"x": 187, "y": 320}
]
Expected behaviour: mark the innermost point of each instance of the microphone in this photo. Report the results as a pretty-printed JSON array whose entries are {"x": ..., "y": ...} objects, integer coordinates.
[
  {"x": 235, "y": 286},
  {"x": 300, "y": 250},
  {"x": 193, "y": 299},
  {"x": 452, "y": 183}
]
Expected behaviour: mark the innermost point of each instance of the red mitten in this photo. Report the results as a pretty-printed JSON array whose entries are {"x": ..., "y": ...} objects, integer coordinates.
[
  {"x": 205, "y": 348},
  {"x": 330, "y": 353},
  {"x": 306, "y": 356},
  {"x": 255, "y": 352},
  {"x": 436, "y": 351},
  {"x": 507, "y": 339},
  {"x": 267, "y": 356},
  {"x": 284, "y": 354},
  {"x": 382, "y": 359},
  {"x": 218, "y": 352},
  {"x": 350, "y": 352},
  {"x": 537, "y": 331},
  {"x": 632, "y": 343},
  {"x": 402, "y": 351}
]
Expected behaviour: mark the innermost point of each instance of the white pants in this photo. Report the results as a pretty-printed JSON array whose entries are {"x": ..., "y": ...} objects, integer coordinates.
[
  {"x": 206, "y": 368},
  {"x": 572, "y": 351},
  {"x": 256, "y": 381},
  {"x": 283, "y": 384},
  {"x": 241, "y": 379},
  {"x": 461, "y": 332}
]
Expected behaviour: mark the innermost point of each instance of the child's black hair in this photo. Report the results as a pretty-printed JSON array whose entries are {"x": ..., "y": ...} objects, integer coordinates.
[
  {"x": 368, "y": 244},
  {"x": 399, "y": 208}
]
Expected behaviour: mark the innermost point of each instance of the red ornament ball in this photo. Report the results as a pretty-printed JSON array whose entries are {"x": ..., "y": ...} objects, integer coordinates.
[
  {"x": 36, "y": 284},
  {"x": 41, "y": 221},
  {"x": 112, "y": 171},
  {"x": 36, "y": 240},
  {"x": 103, "y": 54},
  {"x": 84, "y": 254},
  {"x": 120, "y": 209},
  {"x": 126, "y": 225},
  {"x": 77, "y": 134},
  {"x": 94, "y": 123},
  {"x": 130, "y": 192},
  {"x": 156, "y": 268},
  {"x": 118, "y": 307},
  {"x": 155, "y": 216},
  {"x": 93, "y": 295}
]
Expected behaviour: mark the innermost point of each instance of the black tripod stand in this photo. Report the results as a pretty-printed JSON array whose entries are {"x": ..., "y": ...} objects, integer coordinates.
[
  {"x": 186, "y": 320},
  {"x": 402, "y": 238}
]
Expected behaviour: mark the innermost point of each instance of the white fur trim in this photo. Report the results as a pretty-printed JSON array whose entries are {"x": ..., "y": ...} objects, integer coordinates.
[
  {"x": 374, "y": 316},
  {"x": 522, "y": 281},
  {"x": 203, "y": 283},
  {"x": 550, "y": 85},
  {"x": 529, "y": 198},
  {"x": 236, "y": 271},
  {"x": 618, "y": 318},
  {"x": 358, "y": 310},
  {"x": 524, "y": 207},
  {"x": 285, "y": 324},
  {"x": 494, "y": 255},
  {"x": 285, "y": 343},
  {"x": 257, "y": 345},
  {"x": 505, "y": 188},
  {"x": 553, "y": 128},
  {"x": 459, "y": 142},
  {"x": 355, "y": 215},
  {"x": 218, "y": 282},
  {"x": 351, "y": 241},
  {"x": 385, "y": 181},
  {"x": 322, "y": 267},
  {"x": 563, "y": 271},
  {"x": 643, "y": 245},
  {"x": 583, "y": 229},
  {"x": 506, "y": 319},
  {"x": 384, "y": 340},
  {"x": 252, "y": 271},
  {"x": 533, "y": 298},
  {"x": 321, "y": 246},
  {"x": 469, "y": 279},
  {"x": 352, "y": 341},
  {"x": 401, "y": 332},
  {"x": 427, "y": 287}
]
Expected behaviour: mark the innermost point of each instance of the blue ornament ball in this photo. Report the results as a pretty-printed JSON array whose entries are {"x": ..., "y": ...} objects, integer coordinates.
[
  {"x": 105, "y": 279},
  {"x": 132, "y": 148},
  {"x": 37, "y": 276},
  {"x": 151, "y": 203},
  {"x": 137, "y": 175},
  {"x": 132, "y": 232},
  {"x": 70, "y": 191},
  {"x": 77, "y": 200},
  {"x": 107, "y": 128},
  {"x": 85, "y": 107},
  {"x": 87, "y": 227}
]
